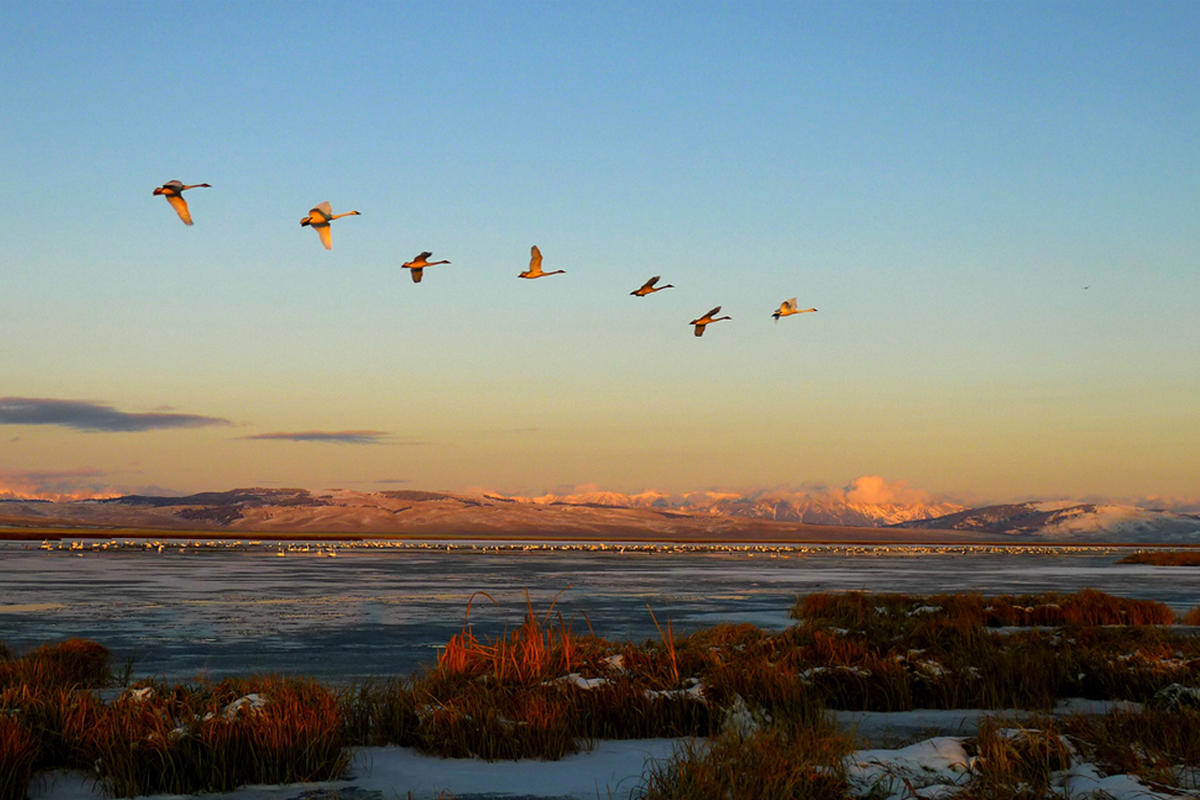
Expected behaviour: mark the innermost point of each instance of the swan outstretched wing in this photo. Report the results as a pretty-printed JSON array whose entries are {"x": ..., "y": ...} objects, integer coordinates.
[
  {"x": 417, "y": 272},
  {"x": 180, "y": 205},
  {"x": 535, "y": 259},
  {"x": 326, "y": 234}
]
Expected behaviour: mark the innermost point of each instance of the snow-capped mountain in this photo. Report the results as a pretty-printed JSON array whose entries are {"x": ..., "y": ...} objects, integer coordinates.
[
  {"x": 821, "y": 509},
  {"x": 595, "y": 514},
  {"x": 1066, "y": 521}
]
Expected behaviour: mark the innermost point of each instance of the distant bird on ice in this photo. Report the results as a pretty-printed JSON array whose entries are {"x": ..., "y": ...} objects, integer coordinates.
[
  {"x": 788, "y": 307},
  {"x": 648, "y": 287},
  {"x": 418, "y": 265},
  {"x": 535, "y": 265},
  {"x": 320, "y": 217},
  {"x": 706, "y": 319},
  {"x": 173, "y": 191}
]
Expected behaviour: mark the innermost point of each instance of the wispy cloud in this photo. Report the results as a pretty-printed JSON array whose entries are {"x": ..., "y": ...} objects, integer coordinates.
[
  {"x": 332, "y": 437},
  {"x": 67, "y": 484},
  {"x": 93, "y": 417},
  {"x": 865, "y": 490}
]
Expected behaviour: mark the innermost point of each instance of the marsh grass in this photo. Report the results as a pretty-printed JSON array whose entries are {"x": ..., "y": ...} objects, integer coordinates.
[
  {"x": 73, "y": 663},
  {"x": 181, "y": 739},
  {"x": 892, "y": 652},
  {"x": 539, "y": 690},
  {"x": 1023, "y": 756},
  {"x": 783, "y": 762},
  {"x": 1155, "y": 744},
  {"x": 901, "y": 615},
  {"x": 213, "y": 738},
  {"x": 18, "y": 757}
]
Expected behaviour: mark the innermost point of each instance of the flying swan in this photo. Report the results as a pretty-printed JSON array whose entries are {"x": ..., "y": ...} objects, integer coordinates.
[
  {"x": 788, "y": 307},
  {"x": 418, "y": 265},
  {"x": 320, "y": 217},
  {"x": 173, "y": 191},
  {"x": 535, "y": 265},
  {"x": 648, "y": 287},
  {"x": 706, "y": 319}
]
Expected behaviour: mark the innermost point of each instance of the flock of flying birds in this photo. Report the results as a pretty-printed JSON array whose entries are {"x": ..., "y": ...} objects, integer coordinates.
[{"x": 320, "y": 216}]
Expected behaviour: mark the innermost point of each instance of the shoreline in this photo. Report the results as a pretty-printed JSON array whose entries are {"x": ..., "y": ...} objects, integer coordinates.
[{"x": 814, "y": 535}]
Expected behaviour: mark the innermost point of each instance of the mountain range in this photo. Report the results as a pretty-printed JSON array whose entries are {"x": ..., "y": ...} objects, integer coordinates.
[{"x": 601, "y": 515}]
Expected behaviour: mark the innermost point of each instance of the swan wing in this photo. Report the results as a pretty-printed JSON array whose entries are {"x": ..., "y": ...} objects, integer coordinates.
[
  {"x": 790, "y": 303},
  {"x": 714, "y": 311},
  {"x": 180, "y": 205},
  {"x": 417, "y": 272},
  {"x": 535, "y": 259},
  {"x": 648, "y": 284},
  {"x": 422, "y": 257},
  {"x": 326, "y": 234},
  {"x": 323, "y": 210}
]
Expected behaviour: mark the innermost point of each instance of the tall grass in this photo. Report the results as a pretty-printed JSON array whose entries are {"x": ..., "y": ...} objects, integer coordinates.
[
  {"x": 900, "y": 614},
  {"x": 18, "y": 757},
  {"x": 1155, "y": 744},
  {"x": 540, "y": 690},
  {"x": 73, "y": 663},
  {"x": 781, "y": 762},
  {"x": 184, "y": 740}
]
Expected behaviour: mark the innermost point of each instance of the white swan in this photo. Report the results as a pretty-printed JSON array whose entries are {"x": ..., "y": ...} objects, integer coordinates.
[
  {"x": 418, "y": 265},
  {"x": 707, "y": 319},
  {"x": 648, "y": 287},
  {"x": 788, "y": 307},
  {"x": 173, "y": 191},
  {"x": 535, "y": 265},
  {"x": 320, "y": 217}
]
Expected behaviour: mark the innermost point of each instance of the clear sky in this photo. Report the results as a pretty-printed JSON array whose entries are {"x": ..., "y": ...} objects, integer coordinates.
[{"x": 994, "y": 206}]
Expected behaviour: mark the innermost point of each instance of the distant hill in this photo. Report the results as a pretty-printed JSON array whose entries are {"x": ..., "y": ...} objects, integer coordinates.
[
  {"x": 434, "y": 514},
  {"x": 602, "y": 515},
  {"x": 1064, "y": 521}
]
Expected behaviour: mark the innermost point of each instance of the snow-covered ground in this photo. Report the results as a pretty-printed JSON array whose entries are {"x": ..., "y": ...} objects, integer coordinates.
[{"x": 929, "y": 767}]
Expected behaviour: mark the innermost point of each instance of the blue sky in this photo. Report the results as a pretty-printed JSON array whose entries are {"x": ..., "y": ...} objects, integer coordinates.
[{"x": 941, "y": 180}]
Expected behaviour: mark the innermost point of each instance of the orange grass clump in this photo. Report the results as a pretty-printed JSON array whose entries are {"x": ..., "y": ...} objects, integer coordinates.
[
  {"x": 533, "y": 651},
  {"x": 1192, "y": 617},
  {"x": 900, "y": 614},
  {"x": 18, "y": 756},
  {"x": 75, "y": 662},
  {"x": 212, "y": 739}
]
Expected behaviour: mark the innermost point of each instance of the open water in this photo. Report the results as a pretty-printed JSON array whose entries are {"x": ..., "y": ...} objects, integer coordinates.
[{"x": 343, "y": 611}]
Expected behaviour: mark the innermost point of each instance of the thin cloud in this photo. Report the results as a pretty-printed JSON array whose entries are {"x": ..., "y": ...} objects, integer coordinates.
[
  {"x": 332, "y": 437},
  {"x": 68, "y": 484},
  {"x": 84, "y": 415}
]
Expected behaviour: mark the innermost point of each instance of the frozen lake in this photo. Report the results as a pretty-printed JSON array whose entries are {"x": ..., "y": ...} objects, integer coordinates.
[{"x": 343, "y": 610}]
